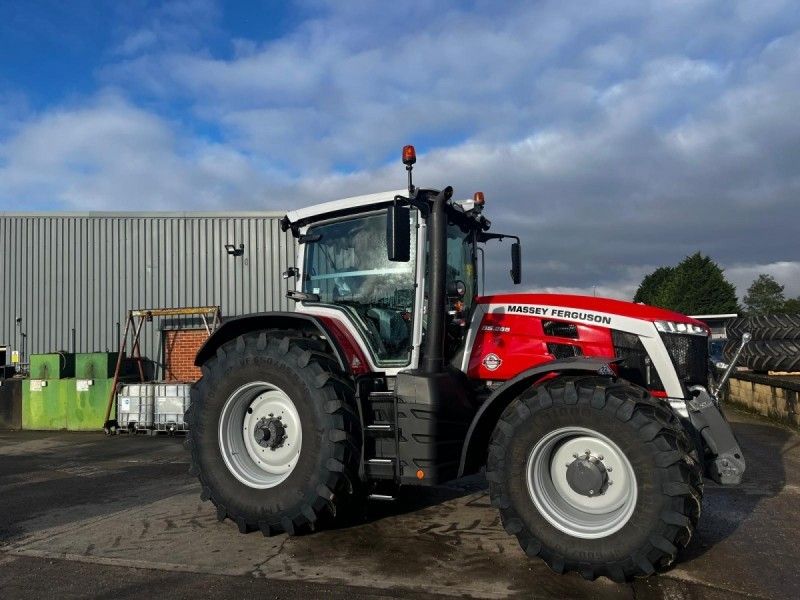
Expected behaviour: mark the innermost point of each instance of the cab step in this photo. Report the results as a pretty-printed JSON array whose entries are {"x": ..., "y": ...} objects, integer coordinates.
[
  {"x": 380, "y": 461},
  {"x": 380, "y": 427},
  {"x": 380, "y": 468},
  {"x": 382, "y": 497}
]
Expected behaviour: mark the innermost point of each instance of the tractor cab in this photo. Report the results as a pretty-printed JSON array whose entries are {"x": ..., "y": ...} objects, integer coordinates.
[{"x": 367, "y": 263}]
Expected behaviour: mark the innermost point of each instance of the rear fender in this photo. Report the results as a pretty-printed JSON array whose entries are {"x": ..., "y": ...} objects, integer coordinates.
[
  {"x": 278, "y": 321},
  {"x": 480, "y": 430}
]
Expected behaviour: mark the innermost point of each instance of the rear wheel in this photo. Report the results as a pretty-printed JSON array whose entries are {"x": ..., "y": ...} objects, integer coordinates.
[
  {"x": 594, "y": 476},
  {"x": 765, "y": 327},
  {"x": 272, "y": 435},
  {"x": 772, "y": 355}
]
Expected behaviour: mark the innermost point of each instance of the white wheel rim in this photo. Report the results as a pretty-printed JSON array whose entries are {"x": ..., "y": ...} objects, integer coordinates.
[
  {"x": 268, "y": 463},
  {"x": 574, "y": 513}
]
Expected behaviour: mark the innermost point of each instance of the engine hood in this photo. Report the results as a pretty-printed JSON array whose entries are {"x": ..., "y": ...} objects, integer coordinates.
[{"x": 591, "y": 303}]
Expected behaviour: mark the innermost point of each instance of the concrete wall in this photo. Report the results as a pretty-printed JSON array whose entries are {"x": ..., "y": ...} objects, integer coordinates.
[{"x": 772, "y": 397}]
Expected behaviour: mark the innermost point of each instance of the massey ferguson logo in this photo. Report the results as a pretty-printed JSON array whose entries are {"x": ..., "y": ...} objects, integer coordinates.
[
  {"x": 558, "y": 313},
  {"x": 492, "y": 362}
]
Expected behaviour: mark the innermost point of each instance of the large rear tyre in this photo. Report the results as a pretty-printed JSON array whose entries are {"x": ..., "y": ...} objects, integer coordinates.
[
  {"x": 768, "y": 355},
  {"x": 765, "y": 327},
  {"x": 272, "y": 435},
  {"x": 594, "y": 476}
]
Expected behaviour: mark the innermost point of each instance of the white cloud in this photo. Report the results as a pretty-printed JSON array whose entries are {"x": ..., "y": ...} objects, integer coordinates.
[
  {"x": 138, "y": 41},
  {"x": 111, "y": 155},
  {"x": 614, "y": 139}
]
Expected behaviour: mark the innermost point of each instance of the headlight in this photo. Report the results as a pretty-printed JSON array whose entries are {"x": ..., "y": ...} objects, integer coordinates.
[{"x": 672, "y": 327}]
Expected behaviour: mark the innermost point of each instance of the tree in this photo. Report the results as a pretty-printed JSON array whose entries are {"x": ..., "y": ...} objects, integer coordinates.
[
  {"x": 696, "y": 286},
  {"x": 792, "y": 305},
  {"x": 652, "y": 285},
  {"x": 764, "y": 296}
]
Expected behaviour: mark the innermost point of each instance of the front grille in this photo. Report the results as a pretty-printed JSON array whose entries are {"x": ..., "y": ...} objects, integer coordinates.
[
  {"x": 689, "y": 354},
  {"x": 560, "y": 329},
  {"x": 636, "y": 365},
  {"x": 564, "y": 350}
]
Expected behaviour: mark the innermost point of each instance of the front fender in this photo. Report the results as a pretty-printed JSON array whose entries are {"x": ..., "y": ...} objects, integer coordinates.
[
  {"x": 480, "y": 430},
  {"x": 278, "y": 321}
]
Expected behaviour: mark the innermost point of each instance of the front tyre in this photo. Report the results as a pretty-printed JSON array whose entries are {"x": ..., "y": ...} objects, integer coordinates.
[
  {"x": 594, "y": 476},
  {"x": 272, "y": 435}
]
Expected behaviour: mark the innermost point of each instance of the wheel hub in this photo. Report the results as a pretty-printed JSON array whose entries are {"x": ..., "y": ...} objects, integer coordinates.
[
  {"x": 587, "y": 475},
  {"x": 270, "y": 432},
  {"x": 260, "y": 435},
  {"x": 581, "y": 482}
]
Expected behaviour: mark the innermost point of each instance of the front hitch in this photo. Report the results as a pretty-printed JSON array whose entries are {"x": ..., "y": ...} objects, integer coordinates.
[
  {"x": 727, "y": 465},
  {"x": 734, "y": 361}
]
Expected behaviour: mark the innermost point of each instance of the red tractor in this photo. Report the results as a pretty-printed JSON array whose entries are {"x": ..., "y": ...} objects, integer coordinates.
[{"x": 595, "y": 419}]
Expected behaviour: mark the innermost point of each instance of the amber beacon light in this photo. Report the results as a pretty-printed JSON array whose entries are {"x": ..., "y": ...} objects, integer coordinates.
[{"x": 409, "y": 155}]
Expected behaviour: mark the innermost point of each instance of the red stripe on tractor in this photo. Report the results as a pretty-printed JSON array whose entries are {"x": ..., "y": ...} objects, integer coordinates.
[{"x": 357, "y": 363}]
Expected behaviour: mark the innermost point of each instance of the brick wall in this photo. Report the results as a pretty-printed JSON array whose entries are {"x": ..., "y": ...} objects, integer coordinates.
[{"x": 180, "y": 348}]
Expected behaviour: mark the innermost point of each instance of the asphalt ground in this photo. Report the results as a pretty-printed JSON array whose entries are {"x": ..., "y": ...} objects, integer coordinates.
[{"x": 84, "y": 515}]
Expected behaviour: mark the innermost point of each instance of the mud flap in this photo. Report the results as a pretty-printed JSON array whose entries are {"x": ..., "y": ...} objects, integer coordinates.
[{"x": 727, "y": 464}]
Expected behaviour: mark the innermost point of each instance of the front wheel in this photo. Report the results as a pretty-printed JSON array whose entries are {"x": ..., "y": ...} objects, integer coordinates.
[{"x": 594, "y": 476}]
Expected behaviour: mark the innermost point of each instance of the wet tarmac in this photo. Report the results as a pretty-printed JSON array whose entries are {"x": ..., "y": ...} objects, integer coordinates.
[{"x": 92, "y": 516}]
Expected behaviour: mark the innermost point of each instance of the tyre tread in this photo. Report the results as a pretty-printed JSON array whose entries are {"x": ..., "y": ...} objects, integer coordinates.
[
  {"x": 658, "y": 428},
  {"x": 321, "y": 369}
]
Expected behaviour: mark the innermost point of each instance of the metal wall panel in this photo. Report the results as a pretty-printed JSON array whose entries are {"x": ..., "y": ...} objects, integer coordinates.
[{"x": 72, "y": 277}]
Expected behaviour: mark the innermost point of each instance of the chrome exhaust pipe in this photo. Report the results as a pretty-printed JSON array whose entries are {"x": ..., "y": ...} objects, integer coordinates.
[{"x": 731, "y": 366}]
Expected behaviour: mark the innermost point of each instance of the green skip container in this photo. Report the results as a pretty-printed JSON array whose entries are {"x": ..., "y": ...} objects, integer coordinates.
[
  {"x": 86, "y": 406},
  {"x": 95, "y": 365},
  {"x": 71, "y": 404},
  {"x": 55, "y": 365},
  {"x": 44, "y": 403}
]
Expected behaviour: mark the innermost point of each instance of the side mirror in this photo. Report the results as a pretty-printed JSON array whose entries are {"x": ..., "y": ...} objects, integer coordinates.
[
  {"x": 398, "y": 233},
  {"x": 516, "y": 263}
]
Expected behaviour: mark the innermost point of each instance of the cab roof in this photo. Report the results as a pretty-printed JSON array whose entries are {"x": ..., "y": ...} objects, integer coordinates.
[
  {"x": 354, "y": 204},
  {"x": 343, "y": 206}
]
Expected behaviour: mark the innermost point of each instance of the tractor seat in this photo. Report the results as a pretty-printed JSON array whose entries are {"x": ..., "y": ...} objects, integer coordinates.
[{"x": 392, "y": 328}]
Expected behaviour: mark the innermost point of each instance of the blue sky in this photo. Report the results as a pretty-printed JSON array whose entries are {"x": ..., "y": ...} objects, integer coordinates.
[{"x": 614, "y": 136}]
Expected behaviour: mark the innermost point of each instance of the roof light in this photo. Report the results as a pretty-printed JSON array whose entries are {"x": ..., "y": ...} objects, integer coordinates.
[
  {"x": 409, "y": 155},
  {"x": 478, "y": 199}
]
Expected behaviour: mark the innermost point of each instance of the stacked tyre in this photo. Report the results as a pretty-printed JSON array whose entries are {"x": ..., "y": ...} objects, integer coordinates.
[{"x": 775, "y": 344}]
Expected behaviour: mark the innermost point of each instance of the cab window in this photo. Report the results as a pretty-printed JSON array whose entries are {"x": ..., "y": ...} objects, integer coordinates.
[{"x": 348, "y": 268}]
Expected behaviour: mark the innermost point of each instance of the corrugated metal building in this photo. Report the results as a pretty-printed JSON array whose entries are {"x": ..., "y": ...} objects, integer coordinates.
[{"x": 71, "y": 277}]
